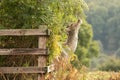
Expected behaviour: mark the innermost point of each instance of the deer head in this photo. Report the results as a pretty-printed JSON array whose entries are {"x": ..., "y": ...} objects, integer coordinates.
[{"x": 74, "y": 26}]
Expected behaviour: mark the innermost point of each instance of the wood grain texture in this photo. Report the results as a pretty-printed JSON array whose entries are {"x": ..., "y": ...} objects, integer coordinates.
[
  {"x": 42, "y": 61},
  {"x": 23, "y": 32},
  {"x": 24, "y": 51},
  {"x": 4, "y": 70}
]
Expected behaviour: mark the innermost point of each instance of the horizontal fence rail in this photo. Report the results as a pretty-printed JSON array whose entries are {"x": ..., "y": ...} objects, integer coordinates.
[
  {"x": 22, "y": 70},
  {"x": 24, "y": 51},
  {"x": 23, "y": 32},
  {"x": 27, "y": 69}
]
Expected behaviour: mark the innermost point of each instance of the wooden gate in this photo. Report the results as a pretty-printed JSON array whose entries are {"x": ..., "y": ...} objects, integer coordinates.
[{"x": 41, "y": 52}]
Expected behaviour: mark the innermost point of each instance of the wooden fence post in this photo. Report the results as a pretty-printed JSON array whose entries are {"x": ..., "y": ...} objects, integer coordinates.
[{"x": 42, "y": 60}]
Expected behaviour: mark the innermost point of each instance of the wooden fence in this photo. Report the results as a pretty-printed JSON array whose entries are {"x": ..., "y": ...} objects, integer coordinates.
[{"x": 41, "y": 52}]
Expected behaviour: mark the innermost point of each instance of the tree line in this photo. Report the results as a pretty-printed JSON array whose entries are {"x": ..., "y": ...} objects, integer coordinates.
[{"x": 104, "y": 16}]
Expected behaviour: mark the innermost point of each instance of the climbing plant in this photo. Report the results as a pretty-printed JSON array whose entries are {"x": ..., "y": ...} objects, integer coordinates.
[{"x": 56, "y": 15}]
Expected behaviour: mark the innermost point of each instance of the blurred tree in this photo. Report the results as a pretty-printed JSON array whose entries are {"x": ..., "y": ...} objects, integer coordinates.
[
  {"x": 104, "y": 17},
  {"x": 107, "y": 65}
]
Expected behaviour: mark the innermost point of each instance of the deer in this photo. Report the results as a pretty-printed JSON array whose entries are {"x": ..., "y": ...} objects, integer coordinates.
[
  {"x": 62, "y": 61},
  {"x": 73, "y": 31},
  {"x": 72, "y": 40}
]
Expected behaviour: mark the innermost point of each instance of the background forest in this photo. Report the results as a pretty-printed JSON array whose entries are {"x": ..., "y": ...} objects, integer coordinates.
[{"x": 104, "y": 16}]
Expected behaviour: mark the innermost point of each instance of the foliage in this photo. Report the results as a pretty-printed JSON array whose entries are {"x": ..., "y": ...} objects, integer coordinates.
[
  {"x": 62, "y": 13},
  {"x": 103, "y": 75},
  {"x": 87, "y": 48},
  {"x": 104, "y": 17},
  {"x": 19, "y": 14},
  {"x": 106, "y": 63},
  {"x": 112, "y": 64}
]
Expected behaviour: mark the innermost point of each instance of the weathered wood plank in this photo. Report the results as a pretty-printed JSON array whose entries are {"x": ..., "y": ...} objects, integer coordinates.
[
  {"x": 23, "y": 51},
  {"x": 42, "y": 61},
  {"x": 23, "y": 32},
  {"x": 12, "y": 70}
]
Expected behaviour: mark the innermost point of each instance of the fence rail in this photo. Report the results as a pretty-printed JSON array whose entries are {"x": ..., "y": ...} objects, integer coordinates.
[
  {"x": 24, "y": 51},
  {"x": 36, "y": 69},
  {"x": 23, "y": 70},
  {"x": 41, "y": 52},
  {"x": 24, "y": 32}
]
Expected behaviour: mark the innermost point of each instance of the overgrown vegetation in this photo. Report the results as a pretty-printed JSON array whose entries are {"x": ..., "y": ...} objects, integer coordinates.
[
  {"x": 56, "y": 15},
  {"x": 111, "y": 64}
]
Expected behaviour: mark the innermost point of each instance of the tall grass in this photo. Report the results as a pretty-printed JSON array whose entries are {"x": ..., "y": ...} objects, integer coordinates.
[{"x": 64, "y": 70}]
